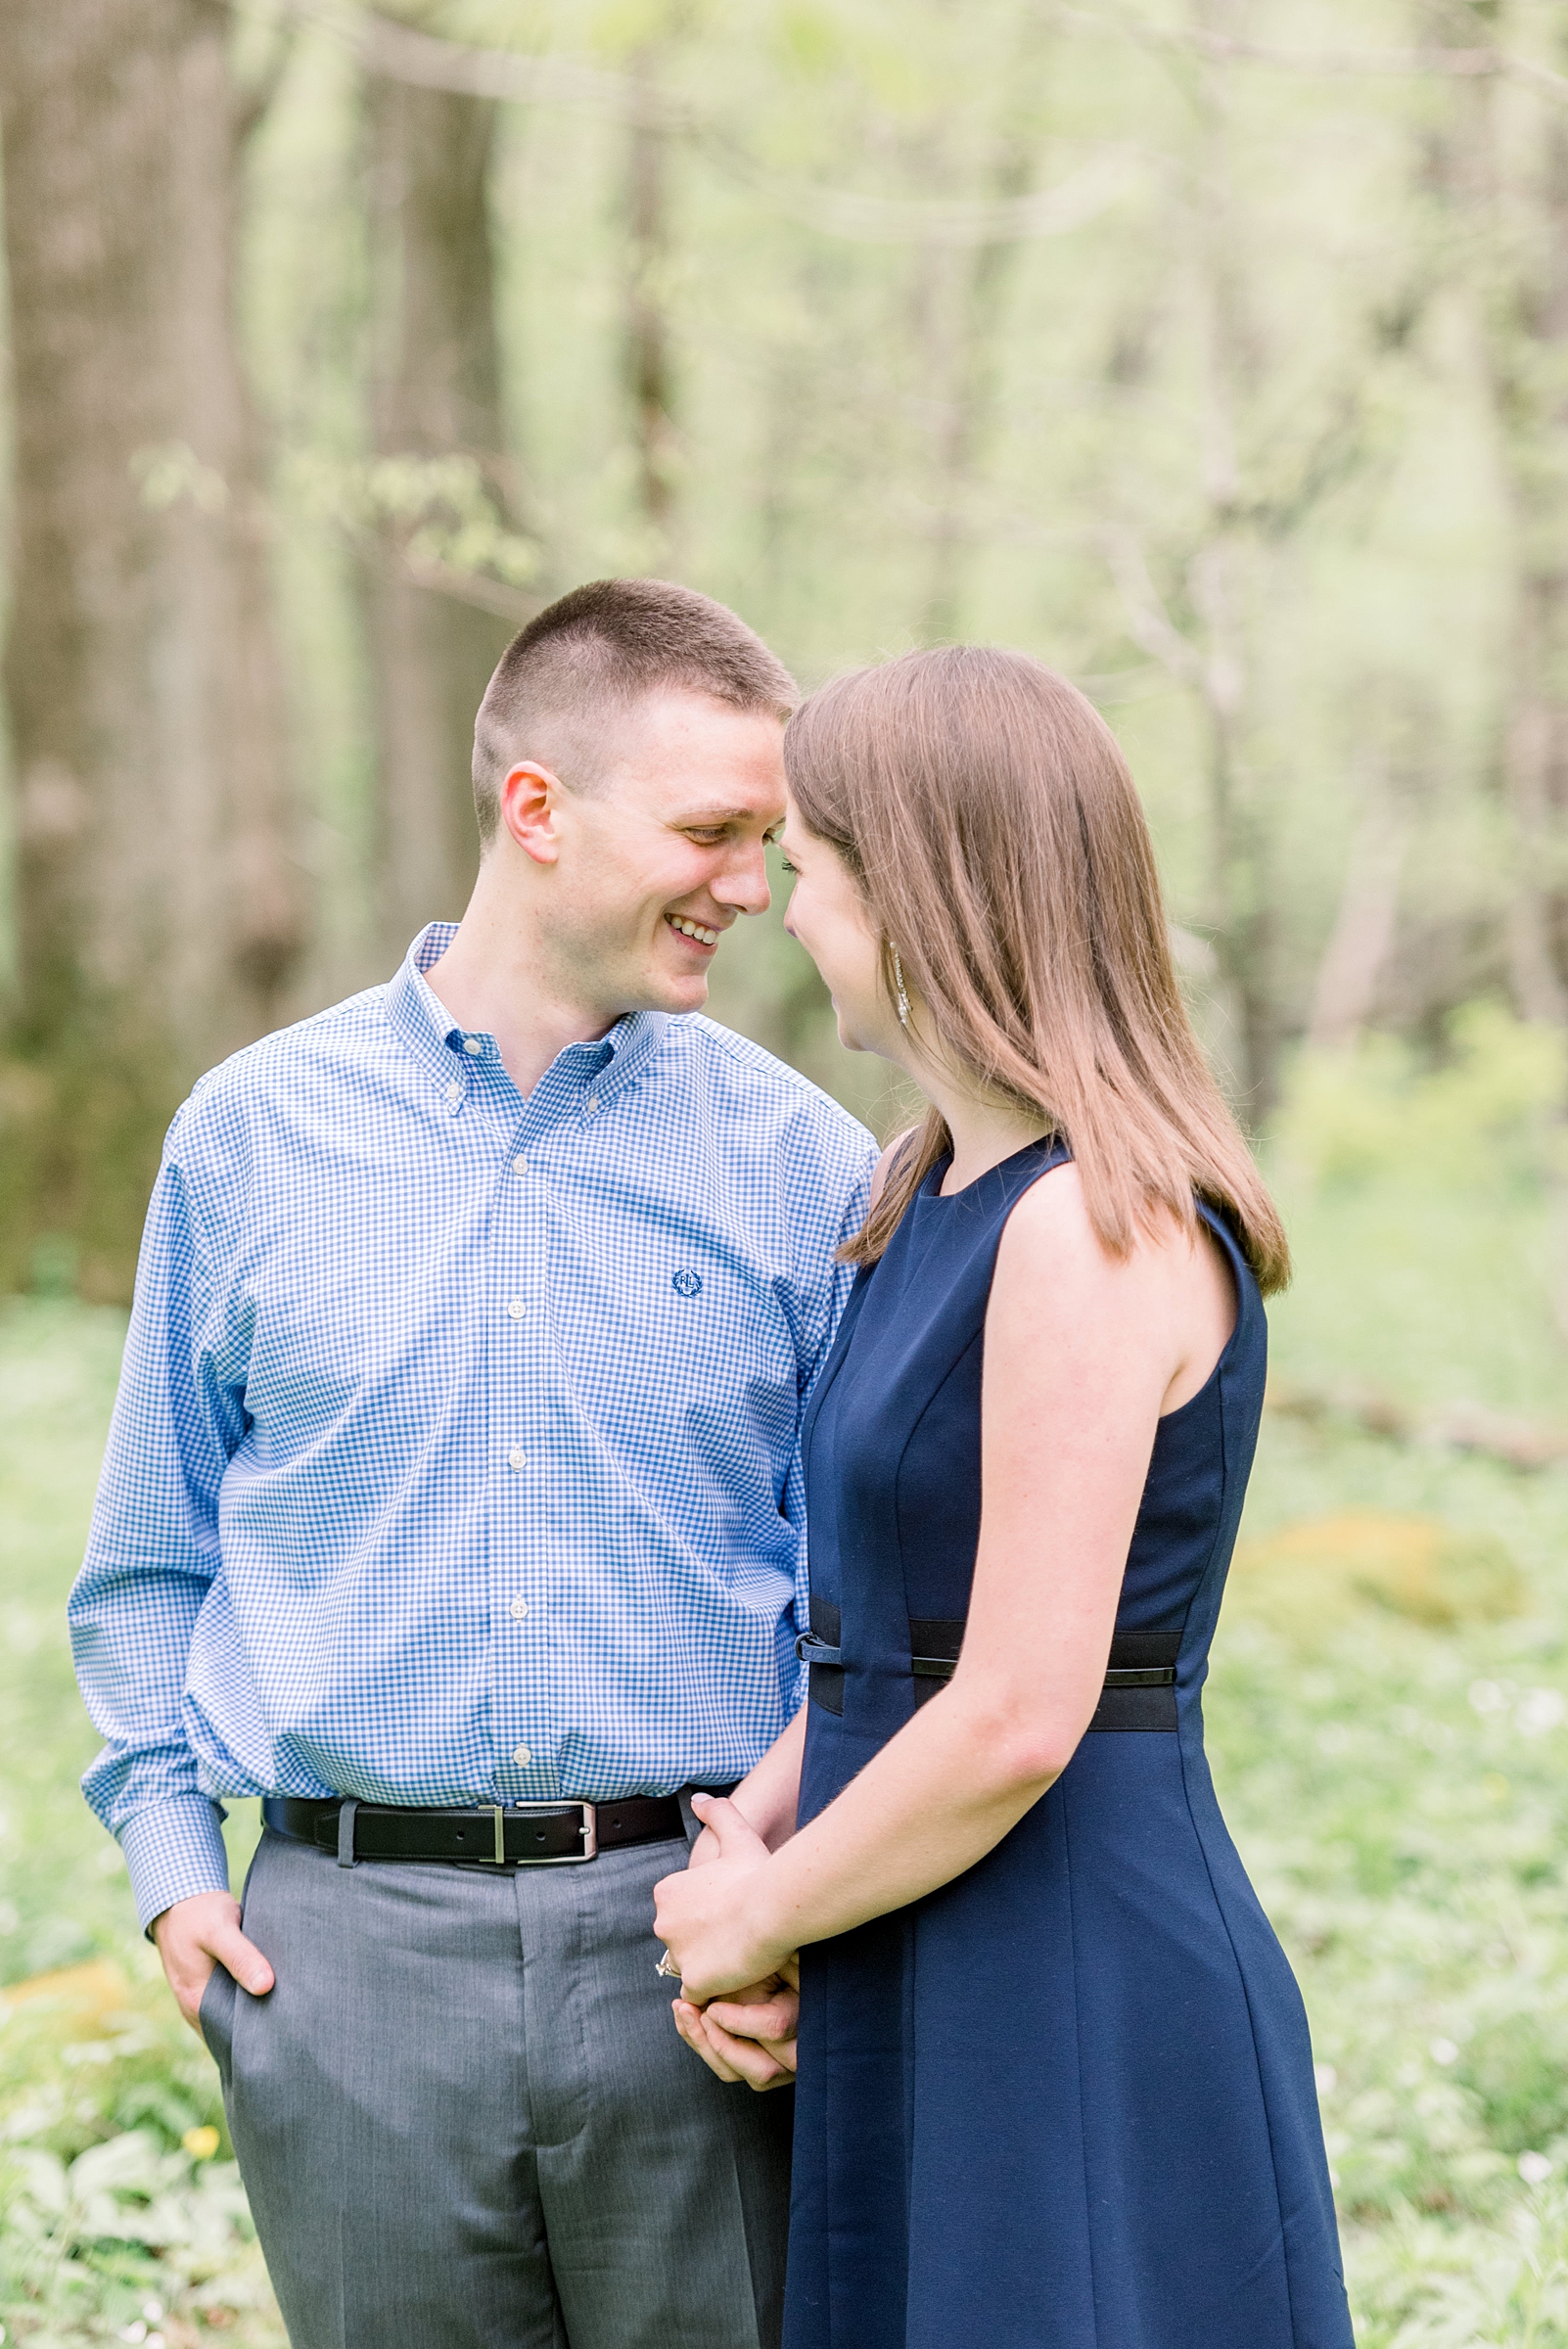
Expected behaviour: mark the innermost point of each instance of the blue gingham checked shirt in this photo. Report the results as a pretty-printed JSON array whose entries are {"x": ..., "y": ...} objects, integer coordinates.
[{"x": 454, "y": 1458}]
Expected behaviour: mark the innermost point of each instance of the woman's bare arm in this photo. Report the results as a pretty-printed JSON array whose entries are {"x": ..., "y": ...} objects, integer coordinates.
[{"x": 1082, "y": 1353}]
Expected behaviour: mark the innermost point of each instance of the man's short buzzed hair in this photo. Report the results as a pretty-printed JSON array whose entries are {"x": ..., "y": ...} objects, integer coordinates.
[{"x": 594, "y": 653}]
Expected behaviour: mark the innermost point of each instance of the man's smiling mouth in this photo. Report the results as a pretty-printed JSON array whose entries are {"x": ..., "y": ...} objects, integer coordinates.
[{"x": 694, "y": 929}]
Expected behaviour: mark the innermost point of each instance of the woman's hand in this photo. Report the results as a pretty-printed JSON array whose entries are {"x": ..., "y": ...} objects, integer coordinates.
[
  {"x": 710, "y": 1915},
  {"x": 749, "y": 2037}
]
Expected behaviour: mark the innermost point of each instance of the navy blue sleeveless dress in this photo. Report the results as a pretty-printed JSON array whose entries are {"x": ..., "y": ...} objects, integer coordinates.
[{"x": 1067, "y": 2100}]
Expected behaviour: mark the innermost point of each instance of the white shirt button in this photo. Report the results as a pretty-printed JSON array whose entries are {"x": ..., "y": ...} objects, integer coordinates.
[
  {"x": 454, "y": 1091},
  {"x": 520, "y": 1609},
  {"x": 517, "y": 1459},
  {"x": 520, "y": 1164},
  {"x": 472, "y": 1045},
  {"x": 590, "y": 1105},
  {"x": 521, "y": 1756},
  {"x": 516, "y": 1307}
]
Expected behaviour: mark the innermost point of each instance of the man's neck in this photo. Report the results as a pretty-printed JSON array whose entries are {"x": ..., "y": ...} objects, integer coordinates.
[{"x": 492, "y": 979}]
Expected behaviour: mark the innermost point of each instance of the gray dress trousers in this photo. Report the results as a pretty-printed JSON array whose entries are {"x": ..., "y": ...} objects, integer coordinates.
[{"x": 465, "y": 2119}]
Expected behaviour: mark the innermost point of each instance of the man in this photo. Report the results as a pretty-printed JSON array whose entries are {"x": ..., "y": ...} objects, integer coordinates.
[{"x": 451, "y": 1505}]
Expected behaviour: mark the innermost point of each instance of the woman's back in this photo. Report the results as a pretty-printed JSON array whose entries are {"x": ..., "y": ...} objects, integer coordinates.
[
  {"x": 1055, "y": 2083},
  {"x": 1084, "y": 2061}
]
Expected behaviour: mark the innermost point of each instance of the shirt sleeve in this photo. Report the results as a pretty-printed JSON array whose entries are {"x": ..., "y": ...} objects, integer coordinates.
[{"x": 152, "y": 1555}]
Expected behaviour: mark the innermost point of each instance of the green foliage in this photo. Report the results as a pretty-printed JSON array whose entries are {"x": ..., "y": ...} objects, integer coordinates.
[
  {"x": 117, "y": 2195},
  {"x": 122, "y": 2203},
  {"x": 1440, "y": 1186},
  {"x": 1489, "y": 1110},
  {"x": 882, "y": 427}
]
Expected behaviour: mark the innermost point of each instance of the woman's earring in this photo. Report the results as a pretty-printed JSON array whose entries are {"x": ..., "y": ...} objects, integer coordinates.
[{"x": 904, "y": 1000}]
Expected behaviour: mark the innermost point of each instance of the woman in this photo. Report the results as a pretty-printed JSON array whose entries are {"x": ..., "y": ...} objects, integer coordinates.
[{"x": 1055, "y": 2083}]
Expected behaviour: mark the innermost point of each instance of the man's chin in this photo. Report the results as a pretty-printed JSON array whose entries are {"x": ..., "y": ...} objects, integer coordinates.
[{"x": 672, "y": 991}]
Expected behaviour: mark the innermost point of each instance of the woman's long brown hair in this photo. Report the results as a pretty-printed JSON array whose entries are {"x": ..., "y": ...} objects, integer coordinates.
[{"x": 988, "y": 815}]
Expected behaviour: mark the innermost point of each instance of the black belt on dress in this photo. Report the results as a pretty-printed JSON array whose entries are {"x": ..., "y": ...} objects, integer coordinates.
[
  {"x": 1139, "y": 1690},
  {"x": 495, "y": 1835}
]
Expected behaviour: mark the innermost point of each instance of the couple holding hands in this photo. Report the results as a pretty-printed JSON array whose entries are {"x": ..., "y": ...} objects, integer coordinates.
[{"x": 503, "y": 1339}]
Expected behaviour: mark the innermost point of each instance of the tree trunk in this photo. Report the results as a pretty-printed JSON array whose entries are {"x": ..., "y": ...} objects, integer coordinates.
[
  {"x": 1523, "y": 307},
  {"x": 436, "y": 394},
  {"x": 1360, "y": 942},
  {"x": 650, "y": 374},
  {"x": 1529, "y": 366},
  {"x": 160, "y": 908},
  {"x": 967, "y": 347},
  {"x": 1242, "y": 907}
]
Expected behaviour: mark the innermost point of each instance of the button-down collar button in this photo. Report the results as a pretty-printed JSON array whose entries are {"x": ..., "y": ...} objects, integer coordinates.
[
  {"x": 520, "y": 1607},
  {"x": 472, "y": 1045},
  {"x": 521, "y": 1756},
  {"x": 454, "y": 1091},
  {"x": 516, "y": 1307},
  {"x": 516, "y": 1459},
  {"x": 520, "y": 1164}
]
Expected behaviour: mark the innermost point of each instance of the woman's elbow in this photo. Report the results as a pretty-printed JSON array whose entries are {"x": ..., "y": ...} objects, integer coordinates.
[{"x": 1023, "y": 1744}]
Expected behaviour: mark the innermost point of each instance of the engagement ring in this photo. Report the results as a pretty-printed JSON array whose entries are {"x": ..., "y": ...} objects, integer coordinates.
[{"x": 671, "y": 1972}]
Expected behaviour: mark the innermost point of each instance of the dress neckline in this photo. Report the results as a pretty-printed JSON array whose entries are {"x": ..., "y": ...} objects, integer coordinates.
[{"x": 931, "y": 1189}]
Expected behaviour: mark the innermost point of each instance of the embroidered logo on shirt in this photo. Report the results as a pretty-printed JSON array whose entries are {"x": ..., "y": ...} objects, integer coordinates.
[{"x": 687, "y": 1284}]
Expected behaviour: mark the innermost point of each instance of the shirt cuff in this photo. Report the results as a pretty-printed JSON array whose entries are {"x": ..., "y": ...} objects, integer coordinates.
[{"x": 172, "y": 1851}]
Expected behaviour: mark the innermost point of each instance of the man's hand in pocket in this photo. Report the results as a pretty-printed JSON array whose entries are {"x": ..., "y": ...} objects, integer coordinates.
[{"x": 197, "y": 1934}]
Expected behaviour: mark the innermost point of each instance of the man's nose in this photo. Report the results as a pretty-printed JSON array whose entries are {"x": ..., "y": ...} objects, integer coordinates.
[{"x": 743, "y": 883}]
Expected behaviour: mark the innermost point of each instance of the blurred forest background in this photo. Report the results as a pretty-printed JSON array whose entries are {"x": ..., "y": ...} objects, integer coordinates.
[
  {"x": 1216, "y": 351},
  {"x": 1219, "y": 353}
]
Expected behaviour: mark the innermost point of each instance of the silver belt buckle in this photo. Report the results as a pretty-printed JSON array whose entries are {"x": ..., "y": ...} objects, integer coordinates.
[{"x": 589, "y": 1832}]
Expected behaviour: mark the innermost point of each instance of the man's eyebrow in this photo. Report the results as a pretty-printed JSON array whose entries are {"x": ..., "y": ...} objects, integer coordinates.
[{"x": 723, "y": 815}]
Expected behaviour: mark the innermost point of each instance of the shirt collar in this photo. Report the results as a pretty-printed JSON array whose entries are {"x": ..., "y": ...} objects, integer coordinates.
[{"x": 448, "y": 1051}]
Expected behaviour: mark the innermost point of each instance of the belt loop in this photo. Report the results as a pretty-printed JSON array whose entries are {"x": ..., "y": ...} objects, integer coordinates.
[{"x": 346, "y": 1833}]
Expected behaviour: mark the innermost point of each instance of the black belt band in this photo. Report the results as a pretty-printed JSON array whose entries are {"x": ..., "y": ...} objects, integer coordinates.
[
  {"x": 1138, "y": 1692},
  {"x": 499, "y": 1835}
]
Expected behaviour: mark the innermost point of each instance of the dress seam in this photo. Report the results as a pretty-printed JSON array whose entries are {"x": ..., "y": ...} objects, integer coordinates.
[
  {"x": 1230, "y": 1942},
  {"x": 1077, "y": 2054}
]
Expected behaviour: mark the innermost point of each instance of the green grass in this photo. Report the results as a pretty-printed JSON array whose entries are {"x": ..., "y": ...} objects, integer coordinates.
[
  {"x": 1399, "y": 1793},
  {"x": 115, "y": 2213}
]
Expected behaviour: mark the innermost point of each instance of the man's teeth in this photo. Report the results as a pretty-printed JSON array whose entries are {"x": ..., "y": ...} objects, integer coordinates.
[{"x": 678, "y": 921}]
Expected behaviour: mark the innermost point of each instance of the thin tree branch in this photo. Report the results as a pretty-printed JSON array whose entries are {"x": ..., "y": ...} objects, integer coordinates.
[
  {"x": 1464, "y": 1427},
  {"x": 474, "y": 587},
  {"x": 1464, "y": 64},
  {"x": 257, "y": 99},
  {"x": 1149, "y": 624},
  {"x": 403, "y": 54}
]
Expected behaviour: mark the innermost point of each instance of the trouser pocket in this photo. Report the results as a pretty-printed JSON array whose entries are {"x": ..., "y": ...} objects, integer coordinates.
[{"x": 215, "y": 2015}]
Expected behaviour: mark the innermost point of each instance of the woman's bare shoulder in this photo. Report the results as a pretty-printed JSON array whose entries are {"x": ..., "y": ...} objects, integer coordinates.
[
  {"x": 1051, "y": 1219},
  {"x": 884, "y": 1165},
  {"x": 1052, "y": 1255}
]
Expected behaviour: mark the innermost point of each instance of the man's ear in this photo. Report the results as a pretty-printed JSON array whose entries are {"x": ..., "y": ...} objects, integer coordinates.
[{"x": 529, "y": 799}]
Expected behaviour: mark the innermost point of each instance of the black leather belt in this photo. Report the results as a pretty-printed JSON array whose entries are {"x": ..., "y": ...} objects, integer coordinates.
[
  {"x": 497, "y": 1835},
  {"x": 1139, "y": 1690}
]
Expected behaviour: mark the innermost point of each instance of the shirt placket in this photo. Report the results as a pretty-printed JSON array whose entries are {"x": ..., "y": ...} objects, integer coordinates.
[{"x": 529, "y": 1413}]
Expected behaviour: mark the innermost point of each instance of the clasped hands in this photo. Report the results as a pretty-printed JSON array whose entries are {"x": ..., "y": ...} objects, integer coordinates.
[{"x": 739, "y": 1994}]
